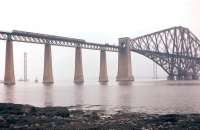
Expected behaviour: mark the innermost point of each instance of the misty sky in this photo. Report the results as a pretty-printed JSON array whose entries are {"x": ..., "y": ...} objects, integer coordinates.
[{"x": 101, "y": 21}]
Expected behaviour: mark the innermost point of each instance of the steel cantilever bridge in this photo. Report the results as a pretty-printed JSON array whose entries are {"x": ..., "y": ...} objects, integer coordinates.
[{"x": 176, "y": 50}]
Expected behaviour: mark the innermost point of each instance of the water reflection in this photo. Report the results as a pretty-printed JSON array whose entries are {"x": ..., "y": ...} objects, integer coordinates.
[
  {"x": 78, "y": 95},
  {"x": 48, "y": 94},
  {"x": 103, "y": 96},
  {"x": 125, "y": 83},
  {"x": 9, "y": 93},
  {"x": 79, "y": 83},
  {"x": 149, "y": 96},
  {"x": 103, "y": 83},
  {"x": 125, "y": 93}
]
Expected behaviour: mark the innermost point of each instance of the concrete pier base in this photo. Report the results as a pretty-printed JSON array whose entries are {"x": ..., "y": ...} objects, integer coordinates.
[
  {"x": 48, "y": 73},
  {"x": 9, "y": 77},
  {"x": 195, "y": 77},
  {"x": 171, "y": 77},
  {"x": 179, "y": 77},
  {"x": 188, "y": 77},
  {"x": 191, "y": 76},
  {"x": 78, "y": 76},
  {"x": 103, "y": 77},
  {"x": 124, "y": 61}
]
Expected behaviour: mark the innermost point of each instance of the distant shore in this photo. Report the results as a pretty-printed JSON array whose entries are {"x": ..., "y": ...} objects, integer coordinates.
[{"x": 24, "y": 117}]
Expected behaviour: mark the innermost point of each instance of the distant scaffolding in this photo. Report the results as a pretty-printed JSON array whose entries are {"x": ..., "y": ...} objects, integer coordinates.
[{"x": 25, "y": 66}]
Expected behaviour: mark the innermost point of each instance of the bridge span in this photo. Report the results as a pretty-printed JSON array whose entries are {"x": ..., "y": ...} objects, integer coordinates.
[{"x": 176, "y": 50}]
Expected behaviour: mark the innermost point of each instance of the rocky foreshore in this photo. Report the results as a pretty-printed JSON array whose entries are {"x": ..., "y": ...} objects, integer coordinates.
[{"x": 26, "y": 117}]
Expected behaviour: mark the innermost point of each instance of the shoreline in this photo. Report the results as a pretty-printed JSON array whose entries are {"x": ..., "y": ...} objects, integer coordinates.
[{"x": 23, "y": 117}]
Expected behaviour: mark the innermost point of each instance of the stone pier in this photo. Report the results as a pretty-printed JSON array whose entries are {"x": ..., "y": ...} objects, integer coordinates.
[
  {"x": 78, "y": 76},
  {"x": 9, "y": 77},
  {"x": 195, "y": 75},
  {"x": 124, "y": 61},
  {"x": 103, "y": 77},
  {"x": 48, "y": 73}
]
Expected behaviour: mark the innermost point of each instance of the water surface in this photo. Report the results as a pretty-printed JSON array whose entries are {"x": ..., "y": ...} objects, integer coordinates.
[{"x": 141, "y": 96}]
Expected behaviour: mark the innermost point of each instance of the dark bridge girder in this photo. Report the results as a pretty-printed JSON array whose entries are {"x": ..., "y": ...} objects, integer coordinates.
[{"x": 176, "y": 50}]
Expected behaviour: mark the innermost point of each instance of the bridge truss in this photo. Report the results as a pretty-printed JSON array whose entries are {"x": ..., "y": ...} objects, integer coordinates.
[
  {"x": 30, "y": 37},
  {"x": 176, "y": 50}
]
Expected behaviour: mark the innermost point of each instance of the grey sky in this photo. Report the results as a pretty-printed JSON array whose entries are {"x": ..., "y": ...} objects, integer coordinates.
[{"x": 92, "y": 20}]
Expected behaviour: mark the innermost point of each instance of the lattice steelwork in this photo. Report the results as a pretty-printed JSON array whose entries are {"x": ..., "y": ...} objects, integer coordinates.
[
  {"x": 29, "y": 37},
  {"x": 176, "y": 50}
]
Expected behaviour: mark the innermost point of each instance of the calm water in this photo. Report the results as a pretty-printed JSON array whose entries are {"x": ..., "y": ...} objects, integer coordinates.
[{"x": 141, "y": 96}]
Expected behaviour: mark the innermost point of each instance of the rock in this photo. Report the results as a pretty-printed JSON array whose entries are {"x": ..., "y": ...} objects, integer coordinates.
[
  {"x": 94, "y": 116},
  {"x": 37, "y": 125},
  {"x": 26, "y": 126},
  {"x": 17, "y": 109},
  {"x": 9, "y": 108},
  {"x": 17, "y": 127},
  {"x": 169, "y": 118},
  {"x": 1, "y": 119},
  {"x": 53, "y": 124},
  {"x": 43, "y": 117},
  {"x": 3, "y": 123},
  {"x": 91, "y": 115},
  {"x": 11, "y": 120},
  {"x": 28, "y": 109},
  {"x": 56, "y": 111},
  {"x": 22, "y": 117},
  {"x": 58, "y": 118}
]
